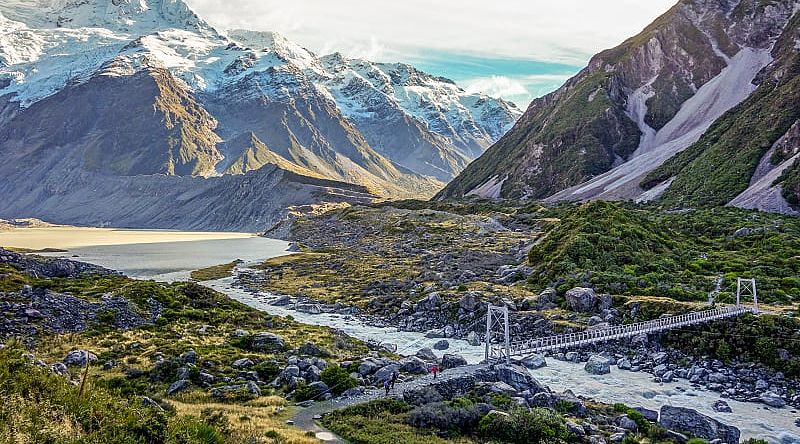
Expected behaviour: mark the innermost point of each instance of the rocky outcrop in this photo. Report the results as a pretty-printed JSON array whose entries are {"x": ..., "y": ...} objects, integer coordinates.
[
  {"x": 586, "y": 301},
  {"x": 692, "y": 423}
]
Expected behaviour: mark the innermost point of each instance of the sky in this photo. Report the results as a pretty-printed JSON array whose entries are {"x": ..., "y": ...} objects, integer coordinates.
[{"x": 514, "y": 49}]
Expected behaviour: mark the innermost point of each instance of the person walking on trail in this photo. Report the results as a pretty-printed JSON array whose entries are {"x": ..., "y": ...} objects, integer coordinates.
[
  {"x": 386, "y": 386},
  {"x": 435, "y": 370},
  {"x": 394, "y": 378}
]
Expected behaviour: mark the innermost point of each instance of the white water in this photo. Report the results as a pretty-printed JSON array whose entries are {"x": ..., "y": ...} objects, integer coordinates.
[{"x": 631, "y": 388}]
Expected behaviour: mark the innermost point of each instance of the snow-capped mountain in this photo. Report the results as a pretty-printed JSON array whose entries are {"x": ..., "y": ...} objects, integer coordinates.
[
  {"x": 132, "y": 88},
  {"x": 700, "y": 108}
]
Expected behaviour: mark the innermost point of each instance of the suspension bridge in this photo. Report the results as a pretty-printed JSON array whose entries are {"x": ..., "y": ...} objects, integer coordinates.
[{"x": 501, "y": 347}]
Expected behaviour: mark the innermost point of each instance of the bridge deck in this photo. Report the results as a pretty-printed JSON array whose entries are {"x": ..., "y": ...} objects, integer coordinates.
[{"x": 559, "y": 342}]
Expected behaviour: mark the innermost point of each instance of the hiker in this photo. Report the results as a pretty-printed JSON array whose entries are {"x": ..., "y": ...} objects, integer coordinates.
[
  {"x": 394, "y": 378},
  {"x": 435, "y": 370},
  {"x": 387, "y": 385}
]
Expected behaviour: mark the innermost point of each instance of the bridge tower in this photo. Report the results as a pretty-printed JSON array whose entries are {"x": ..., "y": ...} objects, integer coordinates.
[
  {"x": 496, "y": 316},
  {"x": 746, "y": 287}
]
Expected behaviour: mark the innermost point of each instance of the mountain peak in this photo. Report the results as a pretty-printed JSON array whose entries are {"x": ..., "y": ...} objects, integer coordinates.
[{"x": 129, "y": 16}]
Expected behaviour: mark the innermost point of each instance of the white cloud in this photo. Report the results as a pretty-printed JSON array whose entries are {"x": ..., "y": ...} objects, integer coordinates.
[
  {"x": 566, "y": 30},
  {"x": 495, "y": 86}
]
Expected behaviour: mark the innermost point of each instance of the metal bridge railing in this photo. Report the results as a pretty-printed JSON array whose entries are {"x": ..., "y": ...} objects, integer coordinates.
[{"x": 557, "y": 342}]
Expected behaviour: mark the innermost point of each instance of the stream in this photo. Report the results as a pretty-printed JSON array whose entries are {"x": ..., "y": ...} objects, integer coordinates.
[{"x": 635, "y": 389}]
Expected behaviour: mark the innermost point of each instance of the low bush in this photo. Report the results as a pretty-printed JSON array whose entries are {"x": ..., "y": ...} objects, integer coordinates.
[
  {"x": 537, "y": 426},
  {"x": 338, "y": 379},
  {"x": 446, "y": 418}
]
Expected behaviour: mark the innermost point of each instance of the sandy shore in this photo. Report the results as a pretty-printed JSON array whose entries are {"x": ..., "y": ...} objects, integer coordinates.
[{"x": 77, "y": 237}]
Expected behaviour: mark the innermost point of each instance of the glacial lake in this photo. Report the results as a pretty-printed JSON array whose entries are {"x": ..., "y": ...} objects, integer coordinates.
[{"x": 162, "y": 255}]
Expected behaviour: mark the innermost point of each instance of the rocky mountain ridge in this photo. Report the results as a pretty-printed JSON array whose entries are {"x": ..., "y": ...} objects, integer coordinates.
[
  {"x": 614, "y": 130},
  {"x": 123, "y": 89}
]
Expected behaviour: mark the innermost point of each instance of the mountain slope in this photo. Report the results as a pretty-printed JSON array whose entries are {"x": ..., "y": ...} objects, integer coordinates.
[
  {"x": 105, "y": 92},
  {"x": 636, "y": 106}
]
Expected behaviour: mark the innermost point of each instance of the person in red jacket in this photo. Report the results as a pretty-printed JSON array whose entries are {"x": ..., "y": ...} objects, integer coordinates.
[{"x": 435, "y": 370}]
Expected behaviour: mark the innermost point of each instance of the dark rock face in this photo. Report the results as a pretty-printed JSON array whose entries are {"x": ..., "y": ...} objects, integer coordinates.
[{"x": 691, "y": 422}]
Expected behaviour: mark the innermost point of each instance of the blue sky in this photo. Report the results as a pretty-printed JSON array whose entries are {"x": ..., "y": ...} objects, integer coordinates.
[
  {"x": 515, "y": 49},
  {"x": 515, "y": 79}
]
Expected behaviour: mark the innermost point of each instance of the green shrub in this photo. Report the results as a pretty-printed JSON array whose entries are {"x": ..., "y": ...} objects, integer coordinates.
[
  {"x": 337, "y": 379},
  {"x": 446, "y": 418},
  {"x": 525, "y": 427}
]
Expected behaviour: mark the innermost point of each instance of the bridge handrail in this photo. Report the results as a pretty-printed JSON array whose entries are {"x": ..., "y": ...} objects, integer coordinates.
[{"x": 626, "y": 329}]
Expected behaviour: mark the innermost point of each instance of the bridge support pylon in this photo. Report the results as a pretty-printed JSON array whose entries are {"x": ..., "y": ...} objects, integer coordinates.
[
  {"x": 497, "y": 316},
  {"x": 746, "y": 287}
]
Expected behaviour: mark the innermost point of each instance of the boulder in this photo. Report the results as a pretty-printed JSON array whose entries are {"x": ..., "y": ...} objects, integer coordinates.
[
  {"x": 534, "y": 362},
  {"x": 178, "y": 386},
  {"x": 722, "y": 407},
  {"x": 442, "y": 345},
  {"x": 265, "y": 341},
  {"x": 624, "y": 364},
  {"x": 597, "y": 365},
  {"x": 474, "y": 339},
  {"x": 650, "y": 415},
  {"x": 692, "y": 423},
  {"x": 311, "y": 349},
  {"x": 281, "y": 301},
  {"x": 452, "y": 361},
  {"x": 626, "y": 423},
  {"x": 518, "y": 377},
  {"x": 413, "y": 365},
  {"x": 585, "y": 300},
  {"x": 385, "y": 372},
  {"x": 79, "y": 358},
  {"x": 469, "y": 302},
  {"x": 353, "y": 392},
  {"x": 772, "y": 399},
  {"x": 546, "y": 297},
  {"x": 190, "y": 357},
  {"x": 243, "y": 363},
  {"x": 426, "y": 354}
]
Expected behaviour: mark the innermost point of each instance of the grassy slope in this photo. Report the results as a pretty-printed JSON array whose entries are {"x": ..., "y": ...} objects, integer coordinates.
[
  {"x": 187, "y": 307},
  {"x": 647, "y": 252}
]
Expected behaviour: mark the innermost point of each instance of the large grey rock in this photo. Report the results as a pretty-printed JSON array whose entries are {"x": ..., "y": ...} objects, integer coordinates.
[
  {"x": 452, "y": 361},
  {"x": 692, "y": 423},
  {"x": 413, "y": 365},
  {"x": 440, "y": 390},
  {"x": 79, "y": 358},
  {"x": 722, "y": 407},
  {"x": 426, "y": 354},
  {"x": 518, "y": 377},
  {"x": 470, "y": 301},
  {"x": 581, "y": 299},
  {"x": 442, "y": 345},
  {"x": 597, "y": 365},
  {"x": 243, "y": 363},
  {"x": 178, "y": 386},
  {"x": 265, "y": 341},
  {"x": 473, "y": 339},
  {"x": 311, "y": 349},
  {"x": 772, "y": 399},
  {"x": 534, "y": 362},
  {"x": 385, "y": 372}
]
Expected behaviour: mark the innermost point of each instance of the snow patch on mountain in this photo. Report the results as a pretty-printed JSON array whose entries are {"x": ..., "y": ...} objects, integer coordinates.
[
  {"x": 697, "y": 114},
  {"x": 489, "y": 190}
]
